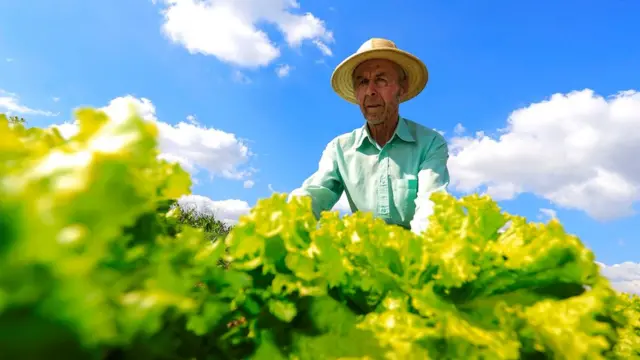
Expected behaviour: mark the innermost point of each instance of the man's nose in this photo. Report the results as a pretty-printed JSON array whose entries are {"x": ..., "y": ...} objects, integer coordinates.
[{"x": 371, "y": 89}]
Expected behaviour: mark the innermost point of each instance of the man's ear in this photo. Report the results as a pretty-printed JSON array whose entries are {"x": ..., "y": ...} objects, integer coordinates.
[{"x": 404, "y": 86}]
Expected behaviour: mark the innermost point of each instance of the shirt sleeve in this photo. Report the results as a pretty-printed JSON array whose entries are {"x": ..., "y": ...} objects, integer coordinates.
[
  {"x": 325, "y": 186},
  {"x": 433, "y": 176}
]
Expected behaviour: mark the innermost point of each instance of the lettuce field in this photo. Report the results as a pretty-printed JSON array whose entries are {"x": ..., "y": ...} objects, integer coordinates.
[{"x": 95, "y": 264}]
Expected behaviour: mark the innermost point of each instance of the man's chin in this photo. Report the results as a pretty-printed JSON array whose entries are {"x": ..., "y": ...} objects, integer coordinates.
[{"x": 374, "y": 120}]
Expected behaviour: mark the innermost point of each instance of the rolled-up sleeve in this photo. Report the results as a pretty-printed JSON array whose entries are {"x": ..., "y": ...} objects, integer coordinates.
[
  {"x": 325, "y": 186},
  {"x": 433, "y": 176}
]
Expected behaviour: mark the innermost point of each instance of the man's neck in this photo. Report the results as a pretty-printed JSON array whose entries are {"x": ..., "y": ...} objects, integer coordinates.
[{"x": 383, "y": 132}]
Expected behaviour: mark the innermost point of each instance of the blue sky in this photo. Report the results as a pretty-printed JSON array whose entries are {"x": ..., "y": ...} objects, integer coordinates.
[{"x": 265, "y": 132}]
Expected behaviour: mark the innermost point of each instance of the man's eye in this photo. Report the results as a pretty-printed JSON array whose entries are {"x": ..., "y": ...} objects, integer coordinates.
[{"x": 381, "y": 81}]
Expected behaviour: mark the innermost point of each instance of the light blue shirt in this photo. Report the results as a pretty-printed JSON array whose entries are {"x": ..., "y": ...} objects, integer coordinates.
[{"x": 393, "y": 182}]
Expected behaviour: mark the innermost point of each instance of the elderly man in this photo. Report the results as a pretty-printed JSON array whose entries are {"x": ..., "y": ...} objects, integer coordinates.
[{"x": 391, "y": 165}]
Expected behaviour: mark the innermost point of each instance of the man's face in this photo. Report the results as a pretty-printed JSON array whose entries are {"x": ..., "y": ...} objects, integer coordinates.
[{"x": 378, "y": 86}]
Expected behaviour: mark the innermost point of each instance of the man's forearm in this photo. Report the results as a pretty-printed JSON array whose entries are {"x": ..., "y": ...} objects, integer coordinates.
[
  {"x": 322, "y": 198},
  {"x": 325, "y": 186},
  {"x": 433, "y": 177},
  {"x": 424, "y": 210}
]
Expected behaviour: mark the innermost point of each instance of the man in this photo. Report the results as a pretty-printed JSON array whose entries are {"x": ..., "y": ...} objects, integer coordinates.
[{"x": 391, "y": 165}]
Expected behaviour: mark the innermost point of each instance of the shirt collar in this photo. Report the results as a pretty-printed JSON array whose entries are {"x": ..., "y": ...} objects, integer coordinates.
[{"x": 402, "y": 131}]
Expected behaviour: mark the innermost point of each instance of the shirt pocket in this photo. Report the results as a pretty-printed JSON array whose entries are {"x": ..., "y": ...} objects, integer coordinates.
[{"x": 405, "y": 191}]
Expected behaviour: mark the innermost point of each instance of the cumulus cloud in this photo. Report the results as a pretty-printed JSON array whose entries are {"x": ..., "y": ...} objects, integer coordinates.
[
  {"x": 10, "y": 105},
  {"x": 624, "y": 277},
  {"x": 248, "y": 184},
  {"x": 548, "y": 213},
  {"x": 192, "y": 119},
  {"x": 66, "y": 129},
  {"x": 227, "y": 211},
  {"x": 194, "y": 146},
  {"x": 459, "y": 129},
  {"x": 577, "y": 150},
  {"x": 228, "y": 29},
  {"x": 283, "y": 70},
  {"x": 240, "y": 77}
]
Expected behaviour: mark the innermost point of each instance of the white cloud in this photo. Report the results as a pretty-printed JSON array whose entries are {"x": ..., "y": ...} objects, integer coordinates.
[
  {"x": 195, "y": 147},
  {"x": 66, "y": 129},
  {"x": 283, "y": 70},
  {"x": 228, "y": 211},
  {"x": 548, "y": 213},
  {"x": 248, "y": 184},
  {"x": 228, "y": 30},
  {"x": 624, "y": 277},
  {"x": 239, "y": 77},
  {"x": 192, "y": 120},
  {"x": 10, "y": 104},
  {"x": 55, "y": 99},
  {"x": 324, "y": 49},
  {"x": 577, "y": 150},
  {"x": 459, "y": 129}
]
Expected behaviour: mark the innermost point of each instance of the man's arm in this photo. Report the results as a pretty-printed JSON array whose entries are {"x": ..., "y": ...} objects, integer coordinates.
[
  {"x": 433, "y": 176},
  {"x": 325, "y": 186}
]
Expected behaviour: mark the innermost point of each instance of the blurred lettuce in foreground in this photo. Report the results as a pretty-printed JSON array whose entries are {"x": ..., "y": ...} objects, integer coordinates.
[{"x": 97, "y": 262}]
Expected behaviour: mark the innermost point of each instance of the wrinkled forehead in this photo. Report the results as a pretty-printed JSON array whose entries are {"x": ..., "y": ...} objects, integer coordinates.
[
  {"x": 378, "y": 67},
  {"x": 374, "y": 66}
]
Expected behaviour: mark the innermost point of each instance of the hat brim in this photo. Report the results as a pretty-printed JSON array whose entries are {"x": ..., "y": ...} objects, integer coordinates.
[{"x": 415, "y": 69}]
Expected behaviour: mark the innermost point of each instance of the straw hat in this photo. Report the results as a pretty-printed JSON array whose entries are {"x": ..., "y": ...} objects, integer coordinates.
[{"x": 376, "y": 48}]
